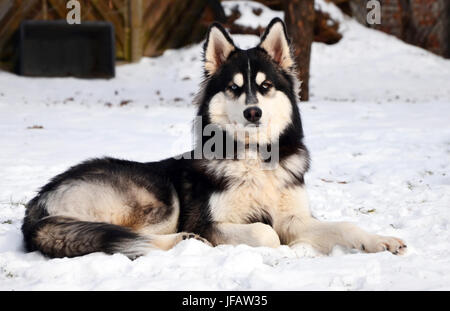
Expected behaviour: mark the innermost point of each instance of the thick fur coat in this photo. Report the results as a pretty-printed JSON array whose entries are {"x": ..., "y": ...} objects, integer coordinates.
[{"x": 247, "y": 186}]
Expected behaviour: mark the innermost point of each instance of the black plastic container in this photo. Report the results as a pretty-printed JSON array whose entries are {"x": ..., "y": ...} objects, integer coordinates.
[{"x": 58, "y": 49}]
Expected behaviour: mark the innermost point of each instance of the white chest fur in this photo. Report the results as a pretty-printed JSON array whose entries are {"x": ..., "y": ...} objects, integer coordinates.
[{"x": 252, "y": 191}]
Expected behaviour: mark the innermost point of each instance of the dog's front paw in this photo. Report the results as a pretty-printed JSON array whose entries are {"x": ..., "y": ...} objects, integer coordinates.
[
  {"x": 385, "y": 243},
  {"x": 186, "y": 235}
]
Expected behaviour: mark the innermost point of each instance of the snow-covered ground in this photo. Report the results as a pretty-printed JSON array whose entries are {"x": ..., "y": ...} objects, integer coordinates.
[{"x": 377, "y": 125}]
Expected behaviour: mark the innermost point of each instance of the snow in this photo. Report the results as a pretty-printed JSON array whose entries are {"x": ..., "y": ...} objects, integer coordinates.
[
  {"x": 377, "y": 126},
  {"x": 248, "y": 16},
  {"x": 329, "y": 8}
]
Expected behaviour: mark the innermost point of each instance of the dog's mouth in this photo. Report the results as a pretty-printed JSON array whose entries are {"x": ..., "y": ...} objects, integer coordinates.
[{"x": 252, "y": 124}]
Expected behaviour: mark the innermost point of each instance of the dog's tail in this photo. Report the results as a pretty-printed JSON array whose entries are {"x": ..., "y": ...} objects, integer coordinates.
[{"x": 58, "y": 236}]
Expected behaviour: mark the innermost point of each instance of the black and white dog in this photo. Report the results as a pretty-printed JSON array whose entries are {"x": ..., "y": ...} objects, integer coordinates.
[{"x": 253, "y": 194}]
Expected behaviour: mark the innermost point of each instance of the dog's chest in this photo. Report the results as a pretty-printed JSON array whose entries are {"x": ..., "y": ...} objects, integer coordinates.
[{"x": 252, "y": 194}]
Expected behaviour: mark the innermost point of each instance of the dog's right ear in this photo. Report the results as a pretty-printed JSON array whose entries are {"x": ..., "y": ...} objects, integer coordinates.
[
  {"x": 276, "y": 43},
  {"x": 217, "y": 48}
]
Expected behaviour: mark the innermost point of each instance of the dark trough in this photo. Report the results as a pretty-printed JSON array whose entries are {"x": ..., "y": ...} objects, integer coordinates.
[{"x": 58, "y": 49}]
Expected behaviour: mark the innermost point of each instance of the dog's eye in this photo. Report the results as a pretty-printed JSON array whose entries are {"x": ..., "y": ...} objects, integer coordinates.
[
  {"x": 266, "y": 85},
  {"x": 233, "y": 87}
]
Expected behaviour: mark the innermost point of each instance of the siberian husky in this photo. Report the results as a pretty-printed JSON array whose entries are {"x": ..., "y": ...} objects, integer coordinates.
[{"x": 254, "y": 194}]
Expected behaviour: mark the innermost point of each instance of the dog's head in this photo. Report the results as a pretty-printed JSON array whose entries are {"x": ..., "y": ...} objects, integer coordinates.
[{"x": 252, "y": 90}]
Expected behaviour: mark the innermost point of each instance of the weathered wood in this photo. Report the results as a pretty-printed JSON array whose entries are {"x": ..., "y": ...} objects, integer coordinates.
[
  {"x": 161, "y": 24},
  {"x": 18, "y": 11},
  {"x": 136, "y": 29},
  {"x": 299, "y": 18},
  {"x": 12, "y": 12},
  {"x": 60, "y": 8},
  {"x": 44, "y": 10},
  {"x": 103, "y": 10},
  {"x": 155, "y": 25},
  {"x": 175, "y": 23}
]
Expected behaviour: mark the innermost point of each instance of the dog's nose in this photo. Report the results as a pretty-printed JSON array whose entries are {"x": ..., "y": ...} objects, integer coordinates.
[{"x": 253, "y": 114}]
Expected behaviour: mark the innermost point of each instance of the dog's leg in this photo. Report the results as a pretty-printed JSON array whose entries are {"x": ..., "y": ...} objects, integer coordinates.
[
  {"x": 325, "y": 235},
  {"x": 255, "y": 234},
  {"x": 167, "y": 241}
]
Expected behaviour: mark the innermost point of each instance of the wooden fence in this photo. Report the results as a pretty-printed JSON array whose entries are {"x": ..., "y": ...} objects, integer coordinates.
[{"x": 142, "y": 27}]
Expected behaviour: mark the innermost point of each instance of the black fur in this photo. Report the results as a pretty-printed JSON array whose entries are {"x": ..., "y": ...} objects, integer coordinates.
[{"x": 237, "y": 62}]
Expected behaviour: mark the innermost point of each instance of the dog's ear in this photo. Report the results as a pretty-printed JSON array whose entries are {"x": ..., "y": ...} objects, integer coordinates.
[
  {"x": 276, "y": 43},
  {"x": 217, "y": 48}
]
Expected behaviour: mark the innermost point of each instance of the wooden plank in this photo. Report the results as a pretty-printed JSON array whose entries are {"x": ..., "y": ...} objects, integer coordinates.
[
  {"x": 20, "y": 11},
  {"x": 123, "y": 49},
  {"x": 136, "y": 44},
  {"x": 171, "y": 24},
  {"x": 102, "y": 8},
  {"x": 90, "y": 13},
  {"x": 12, "y": 12},
  {"x": 120, "y": 5},
  {"x": 44, "y": 10},
  {"x": 160, "y": 25},
  {"x": 60, "y": 8},
  {"x": 5, "y": 8},
  {"x": 126, "y": 31}
]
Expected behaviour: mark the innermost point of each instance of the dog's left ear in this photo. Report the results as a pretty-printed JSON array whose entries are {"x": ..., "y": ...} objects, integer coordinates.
[
  {"x": 217, "y": 48},
  {"x": 276, "y": 43}
]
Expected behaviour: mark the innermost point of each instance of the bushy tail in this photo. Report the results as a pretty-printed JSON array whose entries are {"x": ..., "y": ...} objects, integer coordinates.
[{"x": 57, "y": 236}]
